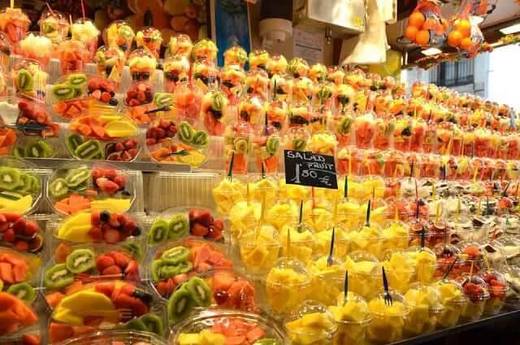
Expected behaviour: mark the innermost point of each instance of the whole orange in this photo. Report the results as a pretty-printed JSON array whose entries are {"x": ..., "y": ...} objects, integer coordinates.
[
  {"x": 454, "y": 38},
  {"x": 463, "y": 26},
  {"x": 466, "y": 43},
  {"x": 416, "y": 19},
  {"x": 422, "y": 38},
  {"x": 411, "y": 33}
]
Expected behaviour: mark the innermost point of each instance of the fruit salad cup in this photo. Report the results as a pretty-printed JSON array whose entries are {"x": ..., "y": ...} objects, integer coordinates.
[
  {"x": 388, "y": 320},
  {"x": 179, "y": 46},
  {"x": 205, "y": 75},
  {"x": 14, "y": 23},
  {"x": 323, "y": 143},
  {"x": 298, "y": 67},
  {"x": 223, "y": 326},
  {"x": 103, "y": 301},
  {"x": 237, "y": 145},
  {"x": 282, "y": 280},
  {"x": 281, "y": 88},
  {"x": 477, "y": 293},
  {"x": 349, "y": 161},
  {"x": 98, "y": 187},
  {"x": 299, "y": 116},
  {"x": 277, "y": 115},
  {"x": 174, "y": 262},
  {"x": 232, "y": 80},
  {"x": 312, "y": 324},
  {"x": 298, "y": 241},
  {"x": 277, "y": 64},
  {"x": 176, "y": 70},
  {"x": 498, "y": 288},
  {"x": 336, "y": 75},
  {"x": 364, "y": 129},
  {"x": 73, "y": 56},
  {"x": 105, "y": 137},
  {"x": 212, "y": 112},
  {"x": 327, "y": 280},
  {"x": 139, "y": 101},
  {"x": 301, "y": 91},
  {"x": 384, "y": 131},
  {"x": 400, "y": 270},
  {"x": 258, "y": 59},
  {"x": 103, "y": 90},
  {"x": 69, "y": 96},
  {"x": 228, "y": 192},
  {"x": 425, "y": 306},
  {"x": 483, "y": 146},
  {"x": 142, "y": 64},
  {"x": 257, "y": 84},
  {"x": 364, "y": 274},
  {"x": 235, "y": 55},
  {"x": 352, "y": 319},
  {"x": 85, "y": 30},
  {"x": 402, "y": 134},
  {"x": 149, "y": 38},
  {"x": 110, "y": 62},
  {"x": 454, "y": 301},
  {"x": 119, "y": 34},
  {"x": 318, "y": 73},
  {"x": 244, "y": 218},
  {"x": 266, "y": 147},
  {"x": 259, "y": 250},
  {"x": 30, "y": 79},
  {"x": 77, "y": 265},
  {"x": 205, "y": 50},
  {"x": 35, "y": 46}
]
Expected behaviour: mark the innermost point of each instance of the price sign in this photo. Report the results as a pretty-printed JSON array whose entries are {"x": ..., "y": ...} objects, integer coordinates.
[{"x": 310, "y": 169}]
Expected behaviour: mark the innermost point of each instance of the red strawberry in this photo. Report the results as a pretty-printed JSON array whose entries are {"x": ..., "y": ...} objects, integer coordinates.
[
  {"x": 106, "y": 185},
  {"x": 132, "y": 270},
  {"x": 120, "y": 259},
  {"x": 120, "y": 180},
  {"x": 31, "y": 228},
  {"x": 103, "y": 262},
  {"x": 9, "y": 235},
  {"x": 19, "y": 226},
  {"x": 22, "y": 246},
  {"x": 199, "y": 230},
  {"x": 96, "y": 233},
  {"x": 111, "y": 236},
  {"x": 110, "y": 270}
]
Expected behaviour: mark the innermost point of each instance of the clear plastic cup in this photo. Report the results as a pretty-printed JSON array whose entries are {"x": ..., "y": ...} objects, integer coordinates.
[
  {"x": 364, "y": 274},
  {"x": 454, "y": 302},
  {"x": 498, "y": 288},
  {"x": 327, "y": 280},
  {"x": 425, "y": 306},
  {"x": 113, "y": 337},
  {"x": 311, "y": 324},
  {"x": 286, "y": 285},
  {"x": 298, "y": 241},
  {"x": 388, "y": 321},
  {"x": 73, "y": 56},
  {"x": 400, "y": 270},
  {"x": 352, "y": 318},
  {"x": 228, "y": 192},
  {"x": 85, "y": 30},
  {"x": 477, "y": 293},
  {"x": 259, "y": 250}
]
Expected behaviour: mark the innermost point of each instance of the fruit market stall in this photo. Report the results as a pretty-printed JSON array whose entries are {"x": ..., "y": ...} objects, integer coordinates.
[{"x": 150, "y": 196}]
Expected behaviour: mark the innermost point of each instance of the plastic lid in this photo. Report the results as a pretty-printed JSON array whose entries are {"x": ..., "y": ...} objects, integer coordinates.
[
  {"x": 353, "y": 310},
  {"x": 475, "y": 288},
  {"x": 311, "y": 315},
  {"x": 398, "y": 308}
]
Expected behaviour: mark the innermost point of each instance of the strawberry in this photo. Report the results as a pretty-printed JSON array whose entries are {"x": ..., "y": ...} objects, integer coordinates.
[
  {"x": 199, "y": 230},
  {"x": 9, "y": 235},
  {"x": 31, "y": 228},
  {"x": 111, "y": 236},
  {"x": 103, "y": 262},
  {"x": 106, "y": 185},
  {"x": 114, "y": 269}
]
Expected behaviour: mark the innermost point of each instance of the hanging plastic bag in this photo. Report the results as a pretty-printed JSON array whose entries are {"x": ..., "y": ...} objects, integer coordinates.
[
  {"x": 465, "y": 34},
  {"x": 426, "y": 26}
]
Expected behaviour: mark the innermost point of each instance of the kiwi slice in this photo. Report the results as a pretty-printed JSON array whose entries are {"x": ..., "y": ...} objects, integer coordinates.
[
  {"x": 39, "y": 149},
  {"x": 76, "y": 177},
  {"x": 81, "y": 260},
  {"x": 175, "y": 255},
  {"x": 73, "y": 141},
  {"x": 200, "y": 291},
  {"x": 179, "y": 227},
  {"x": 90, "y": 149},
  {"x": 299, "y": 144},
  {"x": 134, "y": 249},
  {"x": 77, "y": 79},
  {"x": 26, "y": 184},
  {"x": 200, "y": 138},
  {"x": 272, "y": 145},
  {"x": 58, "y": 188},
  {"x": 185, "y": 132},
  {"x": 24, "y": 80},
  {"x": 23, "y": 291},
  {"x": 36, "y": 185},
  {"x": 153, "y": 323},
  {"x": 240, "y": 145},
  {"x": 63, "y": 92},
  {"x": 57, "y": 277},
  {"x": 162, "y": 269},
  {"x": 10, "y": 178},
  {"x": 136, "y": 325},
  {"x": 179, "y": 304},
  {"x": 158, "y": 231},
  {"x": 266, "y": 341},
  {"x": 19, "y": 152}
]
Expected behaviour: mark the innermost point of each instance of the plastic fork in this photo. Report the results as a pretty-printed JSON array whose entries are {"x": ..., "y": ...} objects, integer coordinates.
[
  {"x": 330, "y": 258},
  {"x": 386, "y": 295}
]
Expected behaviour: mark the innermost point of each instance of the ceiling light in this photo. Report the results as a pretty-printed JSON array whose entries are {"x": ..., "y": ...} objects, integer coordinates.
[
  {"x": 512, "y": 29},
  {"x": 431, "y": 51}
]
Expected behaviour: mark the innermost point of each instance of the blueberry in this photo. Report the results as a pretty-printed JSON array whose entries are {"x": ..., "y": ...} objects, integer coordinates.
[
  {"x": 143, "y": 296},
  {"x": 137, "y": 231},
  {"x": 113, "y": 101},
  {"x": 104, "y": 216}
]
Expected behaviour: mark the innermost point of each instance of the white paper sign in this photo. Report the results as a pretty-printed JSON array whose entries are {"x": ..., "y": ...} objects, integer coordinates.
[{"x": 308, "y": 45}]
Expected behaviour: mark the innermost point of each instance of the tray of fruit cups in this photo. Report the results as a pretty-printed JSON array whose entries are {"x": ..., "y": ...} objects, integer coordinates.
[
  {"x": 95, "y": 226},
  {"x": 20, "y": 186},
  {"x": 73, "y": 266},
  {"x": 172, "y": 262},
  {"x": 104, "y": 305},
  {"x": 174, "y": 224},
  {"x": 37, "y": 133},
  {"x": 116, "y": 337},
  {"x": 80, "y": 187},
  {"x": 177, "y": 143},
  {"x": 21, "y": 233},
  {"x": 112, "y": 137},
  {"x": 218, "y": 326}
]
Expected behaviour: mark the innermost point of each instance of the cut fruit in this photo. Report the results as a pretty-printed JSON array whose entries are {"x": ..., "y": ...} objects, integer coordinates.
[
  {"x": 23, "y": 291},
  {"x": 153, "y": 323},
  {"x": 176, "y": 255},
  {"x": 58, "y": 188},
  {"x": 39, "y": 149},
  {"x": 120, "y": 129},
  {"x": 63, "y": 92},
  {"x": 200, "y": 291},
  {"x": 159, "y": 231},
  {"x": 179, "y": 304},
  {"x": 179, "y": 227},
  {"x": 81, "y": 260},
  {"x": 90, "y": 149},
  {"x": 73, "y": 141},
  {"x": 57, "y": 277},
  {"x": 9, "y": 178},
  {"x": 24, "y": 80},
  {"x": 75, "y": 177}
]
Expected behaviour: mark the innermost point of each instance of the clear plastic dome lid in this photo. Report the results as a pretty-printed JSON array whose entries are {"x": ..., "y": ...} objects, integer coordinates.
[
  {"x": 397, "y": 308},
  {"x": 422, "y": 295},
  {"x": 309, "y": 318},
  {"x": 362, "y": 262},
  {"x": 475, "y": 288},
  {"x": 288, "y": 271}
]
